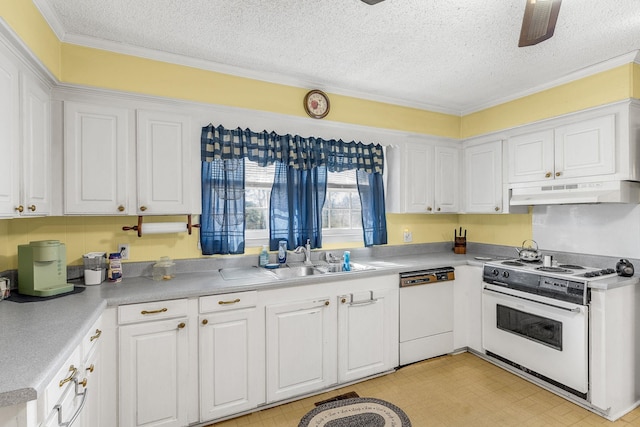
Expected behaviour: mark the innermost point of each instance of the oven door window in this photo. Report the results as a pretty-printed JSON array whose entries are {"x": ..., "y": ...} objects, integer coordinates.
[{"x": 530, "y": 326}]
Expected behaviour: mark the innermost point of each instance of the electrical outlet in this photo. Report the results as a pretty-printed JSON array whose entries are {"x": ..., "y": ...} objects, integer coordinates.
[
  {"x": 407, "y": 236},
  {"x": 123, "y": 248}
]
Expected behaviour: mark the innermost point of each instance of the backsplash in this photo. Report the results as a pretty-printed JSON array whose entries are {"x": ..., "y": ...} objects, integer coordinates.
[{"x": 611, "y": 230}]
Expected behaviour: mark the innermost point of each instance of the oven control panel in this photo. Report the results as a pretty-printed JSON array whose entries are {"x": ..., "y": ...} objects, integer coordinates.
[
  {"x": 536, "y": 283},
  {"x": 564, "y": 286}
]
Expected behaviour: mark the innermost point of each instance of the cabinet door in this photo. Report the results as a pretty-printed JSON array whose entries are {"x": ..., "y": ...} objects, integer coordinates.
[
  {"x": 95, "y": 159},
  {"x": 531, "y": 157},
  {"x": 585, "y": 148},
  {"x": 153, "y": 374},
  {"x": 231, "y": 363},
  {"x": 483, "y": 179},
  {"x": 301, "y": 348},
  {"x": 364, "y": 335},
  {"x": 9, "y": 144},
  {"x": 36, "y": 147},
  {"x": 446, "y": 179},
  {"x": 164, "y": 164},
  {"x": 91, "y": 415},
  {"x": 418, "y": 183},
  {"x": 467, "y": 314}
]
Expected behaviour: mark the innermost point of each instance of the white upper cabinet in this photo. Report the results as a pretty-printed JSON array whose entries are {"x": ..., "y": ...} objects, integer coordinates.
[
  {"x": 96, "y": 140},
  {"x": 164, "y": 163},
  {"x": 35, "y": 194},
  {"x": 418, "y": 184},
  {"x": 585, "y": 148},
  {"x": 483, "y": 177},
  {"x": 108, "y": 171},
  {"x": 446, "y": 182},
  {"x": 25, "y": 141},
  {"x": 9, "y": 134},
  {"x": 531, "y": 157},
  {"x": 582, "y": 149},
  {"x": 423, "y": 178}
]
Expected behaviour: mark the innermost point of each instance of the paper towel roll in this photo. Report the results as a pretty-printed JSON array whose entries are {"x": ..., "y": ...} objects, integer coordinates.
[{"x": 163, "y": 227}]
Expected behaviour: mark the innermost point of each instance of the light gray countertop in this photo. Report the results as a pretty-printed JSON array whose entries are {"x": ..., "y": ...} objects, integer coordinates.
[{"x": 37, "y": 337}]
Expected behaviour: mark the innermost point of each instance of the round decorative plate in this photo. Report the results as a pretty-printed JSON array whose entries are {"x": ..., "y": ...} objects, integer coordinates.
[{"x": 316, "y": 104}]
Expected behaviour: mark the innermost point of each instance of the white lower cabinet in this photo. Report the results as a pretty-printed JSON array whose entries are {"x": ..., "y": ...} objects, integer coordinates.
[
  {"x": 231, "y": 351},
  {"x": 154, "y": 365},
  {"x": 301, "y": 347},
  {"x": 467, "y": 308},
  {"x": 349, "y": 331},
  {"x": 363, "y": 335}
]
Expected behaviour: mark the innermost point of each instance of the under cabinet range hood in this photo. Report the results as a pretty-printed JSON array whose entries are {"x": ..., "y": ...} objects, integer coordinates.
[{"x": 576, "y": 193}]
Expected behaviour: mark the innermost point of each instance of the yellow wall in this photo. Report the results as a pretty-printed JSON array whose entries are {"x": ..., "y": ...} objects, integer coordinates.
[
  {"x": 636, "y": 81},
  {"x": 95, "y": 234},
  {"x": 98, "y": 68},
  {"x": 602, "y": 88},
  {"x": 25, "y": 20}
]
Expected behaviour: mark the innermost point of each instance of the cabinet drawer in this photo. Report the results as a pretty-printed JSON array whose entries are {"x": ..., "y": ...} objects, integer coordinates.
[
  {"x": 233, "y": 301},
  {"x": 152, "y": 311},
  {"x": 62, "y": 380}
]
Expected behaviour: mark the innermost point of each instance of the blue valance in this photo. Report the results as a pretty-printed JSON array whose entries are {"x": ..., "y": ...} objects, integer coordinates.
[{"x": 295, "y": 151}]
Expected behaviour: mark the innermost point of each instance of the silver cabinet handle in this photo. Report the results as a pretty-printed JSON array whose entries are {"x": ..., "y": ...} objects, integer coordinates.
[
  {"x": 75, "y": 415},
  {"x": 366, "y": 302}
]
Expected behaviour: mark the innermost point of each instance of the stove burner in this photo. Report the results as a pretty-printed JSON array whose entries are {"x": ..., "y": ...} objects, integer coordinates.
[
  {"x": 602, "y": 272},
  {"x": 572, "y": 267},
  {"x": 513, "y": 263},
  {"x": 554, "y": 270}
]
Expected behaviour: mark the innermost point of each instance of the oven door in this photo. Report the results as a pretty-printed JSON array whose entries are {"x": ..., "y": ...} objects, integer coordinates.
[{"x": 543, "y": 335}]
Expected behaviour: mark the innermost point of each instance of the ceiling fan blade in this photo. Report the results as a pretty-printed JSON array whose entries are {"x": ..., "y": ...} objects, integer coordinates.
[
  {"x": 539, "y": 21},
  {"x": 371, "y": 2}
]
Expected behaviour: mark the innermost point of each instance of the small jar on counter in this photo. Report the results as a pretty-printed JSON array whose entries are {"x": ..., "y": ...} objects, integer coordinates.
[{"x": 163, "y": 269}]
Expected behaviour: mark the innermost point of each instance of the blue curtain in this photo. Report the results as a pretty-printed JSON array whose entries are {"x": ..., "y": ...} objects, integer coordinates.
[
  {"x": 374, "y": 221},
  {"x": 222, "y": 219},
  {"x": 299, "y": 188},
  {"x": 295, "y": 212}
]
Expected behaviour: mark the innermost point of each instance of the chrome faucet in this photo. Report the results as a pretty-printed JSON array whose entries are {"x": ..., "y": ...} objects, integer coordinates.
[{"x": 307, "y": 252}]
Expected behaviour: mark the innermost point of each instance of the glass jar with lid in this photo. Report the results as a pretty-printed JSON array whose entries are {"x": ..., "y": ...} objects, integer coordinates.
[{"x": 164, "y": 269}]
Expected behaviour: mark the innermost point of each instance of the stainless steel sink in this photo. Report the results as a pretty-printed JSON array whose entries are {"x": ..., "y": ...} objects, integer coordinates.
[{"x": 300, "y": 271}]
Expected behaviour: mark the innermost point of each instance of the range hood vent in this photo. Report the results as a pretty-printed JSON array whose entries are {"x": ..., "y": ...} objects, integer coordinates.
[{"x": 576, "y": 193}]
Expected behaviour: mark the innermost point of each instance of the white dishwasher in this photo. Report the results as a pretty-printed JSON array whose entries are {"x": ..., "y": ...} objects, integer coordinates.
[{"x": 426, "y": 314}]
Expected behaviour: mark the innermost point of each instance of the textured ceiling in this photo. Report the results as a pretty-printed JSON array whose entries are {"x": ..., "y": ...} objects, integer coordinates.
[{"x": 455, "y": 56}]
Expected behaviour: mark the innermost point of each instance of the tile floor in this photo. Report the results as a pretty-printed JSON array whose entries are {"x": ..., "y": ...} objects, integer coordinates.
[{"x": 460, "y": 390}]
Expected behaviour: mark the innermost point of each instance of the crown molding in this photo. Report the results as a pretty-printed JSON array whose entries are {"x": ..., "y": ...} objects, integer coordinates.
[
  {"x": 91, "y": 42},
  {"x": 172, "y": 58},
  {"x": 51, "y": 17},
  {"x": 627, "y": 58},
  {"x": 16, "y": 46}
]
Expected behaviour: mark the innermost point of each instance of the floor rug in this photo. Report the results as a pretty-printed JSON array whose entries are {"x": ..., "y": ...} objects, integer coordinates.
[
  {"x": 347, "y": 395},
  {"x": 356, "y": 412}
]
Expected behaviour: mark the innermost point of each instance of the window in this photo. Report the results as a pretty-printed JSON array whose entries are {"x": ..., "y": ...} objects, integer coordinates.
[
  {"x": 341, "y": 217},
  {"x": 258, "y": 181},
  {"x": 341, "y": 212}
]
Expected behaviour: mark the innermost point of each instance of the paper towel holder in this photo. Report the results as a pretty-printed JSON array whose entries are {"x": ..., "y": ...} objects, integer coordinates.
[{"x": 139, "y": 227}]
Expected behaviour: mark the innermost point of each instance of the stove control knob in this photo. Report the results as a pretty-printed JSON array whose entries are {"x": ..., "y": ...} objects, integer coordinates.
[
  {"x": 495, "y": 272},
  {"x": 505, "y": 274}
]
